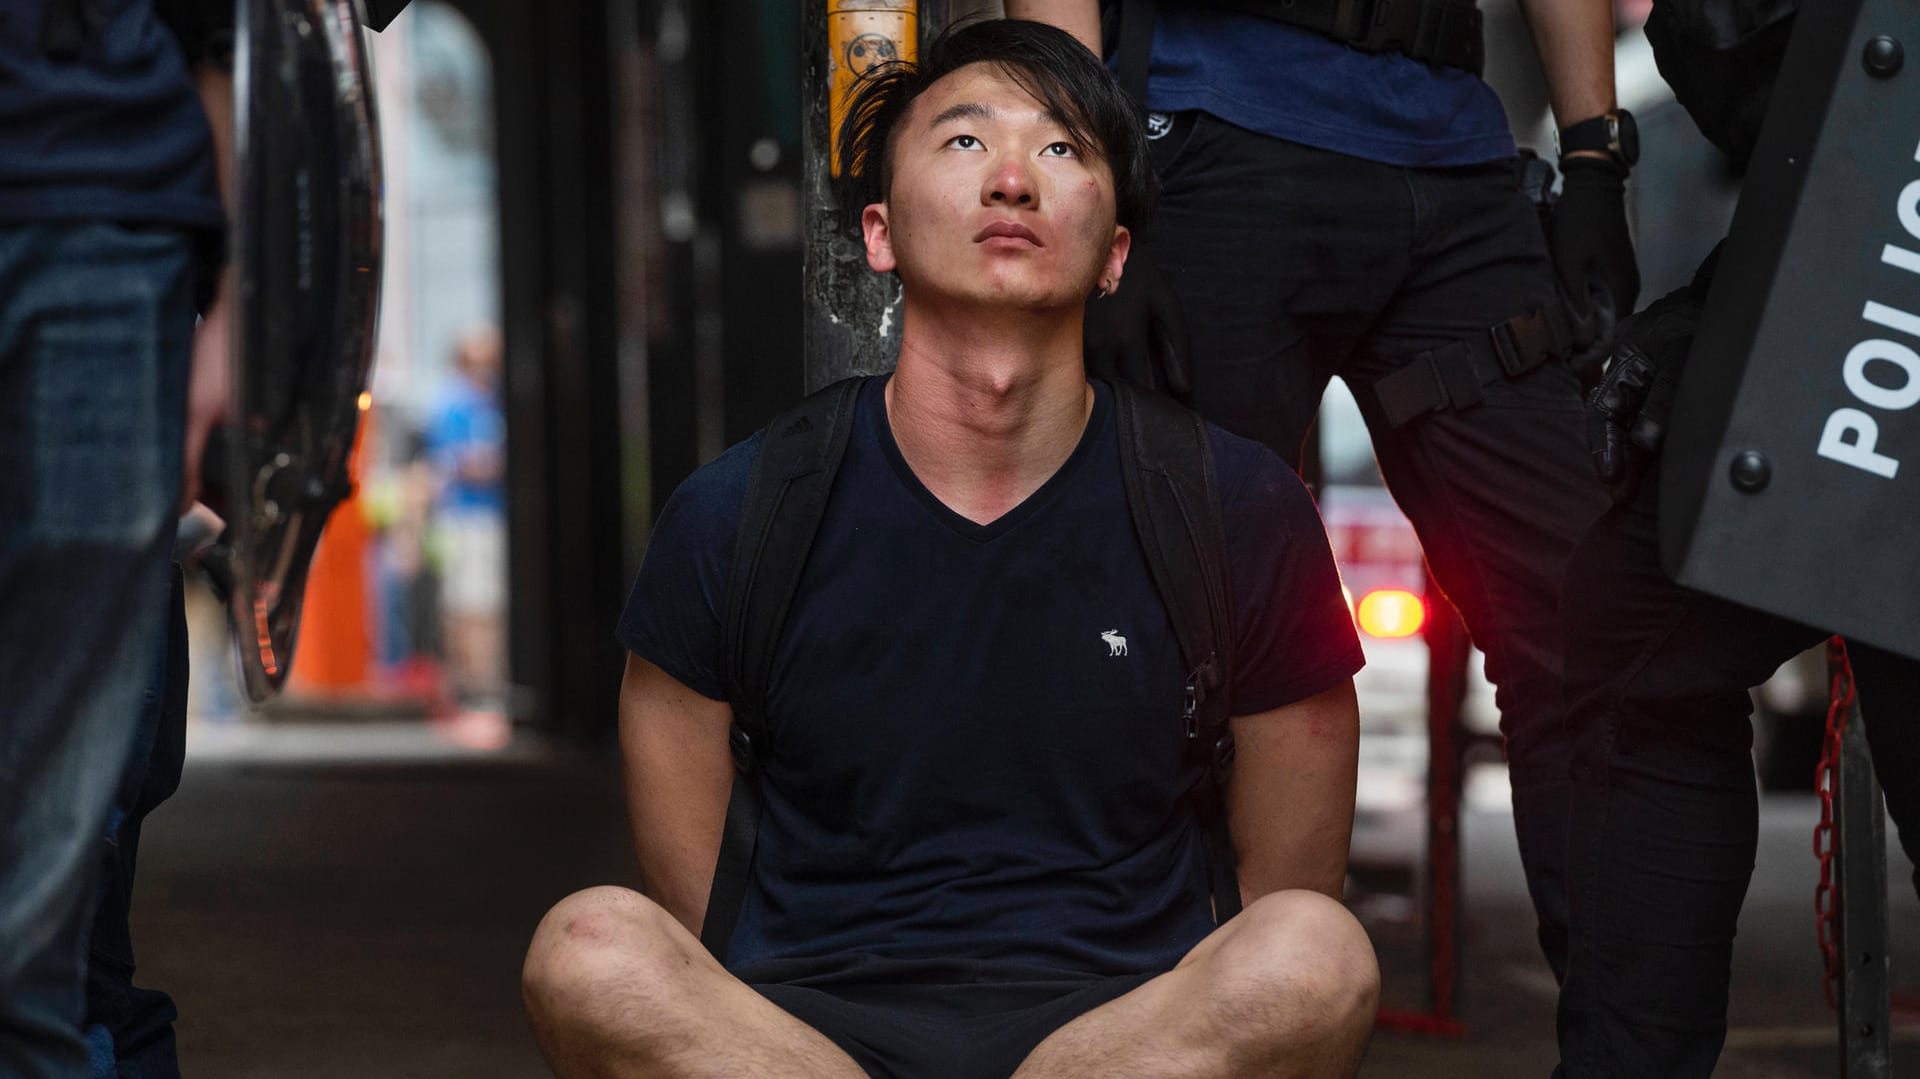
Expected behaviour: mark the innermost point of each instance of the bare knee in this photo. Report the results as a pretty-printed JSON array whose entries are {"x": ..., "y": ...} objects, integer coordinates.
[
  {"x": 601, "y": 954},
  {"x": 1297, "y": 975}
]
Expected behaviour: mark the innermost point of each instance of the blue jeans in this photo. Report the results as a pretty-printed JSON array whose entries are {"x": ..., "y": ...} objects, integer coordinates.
[
  {"x": 129, "y": 1029},
  {"x": 95, "y": 335}
]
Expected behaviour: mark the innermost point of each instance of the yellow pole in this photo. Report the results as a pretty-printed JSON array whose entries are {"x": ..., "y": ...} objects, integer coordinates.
[{"x": 863, "y": 35}]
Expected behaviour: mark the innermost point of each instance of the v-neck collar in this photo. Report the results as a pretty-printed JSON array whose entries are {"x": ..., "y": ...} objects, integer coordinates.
[{"x": 874, "y": 405}]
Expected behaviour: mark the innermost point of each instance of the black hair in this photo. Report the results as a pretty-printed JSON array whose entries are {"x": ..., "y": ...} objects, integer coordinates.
[{"x": 1045, "y": 61}]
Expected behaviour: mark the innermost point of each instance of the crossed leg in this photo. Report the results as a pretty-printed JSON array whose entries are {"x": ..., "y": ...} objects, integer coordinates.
[
  {"x": 1287, "y": 990},
  {"x": 617, "y": 987}
]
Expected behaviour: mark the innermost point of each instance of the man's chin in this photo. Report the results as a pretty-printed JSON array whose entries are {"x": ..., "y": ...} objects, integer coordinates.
[{"x": 1020, "y": 298}]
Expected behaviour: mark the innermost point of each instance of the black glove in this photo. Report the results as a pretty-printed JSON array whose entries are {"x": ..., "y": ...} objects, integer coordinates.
[
  {"x": 1591, "y": 329},
  {"x": 1628, "y": 412},
  {"x": 1591, "y": 248},
  {"x": 1137, "y": 334}
]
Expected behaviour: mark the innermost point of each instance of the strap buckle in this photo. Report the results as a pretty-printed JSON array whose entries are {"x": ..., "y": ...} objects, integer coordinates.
[
  {"x": 741, "y": 743},
  {"x": 1203, "y": 680},
  {"x": 1526, "y": 341},
  {"x": 1224, "y": 750},
  {"x": 1506, "y": 350},
  {"x": 1218, "y": 757}
]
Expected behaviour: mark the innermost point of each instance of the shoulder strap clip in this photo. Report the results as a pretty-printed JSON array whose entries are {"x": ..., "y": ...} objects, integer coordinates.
[{"x": 1166, "y": 461}]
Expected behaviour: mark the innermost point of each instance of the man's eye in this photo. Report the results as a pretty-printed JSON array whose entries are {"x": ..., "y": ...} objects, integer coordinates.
[
  {"x": 1059, "y": 149},
  {"x": 964, "y": 142}
]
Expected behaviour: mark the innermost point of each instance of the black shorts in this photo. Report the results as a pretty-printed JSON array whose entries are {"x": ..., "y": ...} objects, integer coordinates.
[{"x": 933, "y": 1019}]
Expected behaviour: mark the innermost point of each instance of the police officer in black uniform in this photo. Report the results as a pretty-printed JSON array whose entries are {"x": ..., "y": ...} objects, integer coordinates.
[
  {"x": 1341, "y": 194},
  {"x": 1666, "y": 823}
]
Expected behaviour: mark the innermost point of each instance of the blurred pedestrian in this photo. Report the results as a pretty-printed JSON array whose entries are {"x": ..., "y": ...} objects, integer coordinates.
[
  {"x": 402, "y": 505},
  {"x": 466, "y": 441}
]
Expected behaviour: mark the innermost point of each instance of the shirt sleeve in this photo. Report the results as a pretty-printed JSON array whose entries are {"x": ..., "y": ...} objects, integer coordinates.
[
  {"x": 672, "y": 617},
  {"x": 1293, "y": 634}
]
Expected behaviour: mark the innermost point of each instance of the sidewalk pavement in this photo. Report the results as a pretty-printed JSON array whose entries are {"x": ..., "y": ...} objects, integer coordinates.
[{"x": 328, "y": 915}]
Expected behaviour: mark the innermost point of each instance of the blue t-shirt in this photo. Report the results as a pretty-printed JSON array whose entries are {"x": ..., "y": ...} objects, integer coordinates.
[
  {"x": 1305, "y": 87},
  {"x": 117, "y": 134},
  {"x": 468, "y": 420},
  {"x": 977, "y": 749}
]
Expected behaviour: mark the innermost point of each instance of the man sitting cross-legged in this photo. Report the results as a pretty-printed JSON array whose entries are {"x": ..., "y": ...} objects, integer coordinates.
[{"x": 976, "y": 855}]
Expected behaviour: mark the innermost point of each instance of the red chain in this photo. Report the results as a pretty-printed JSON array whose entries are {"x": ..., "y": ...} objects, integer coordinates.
[{"x": 1825, "y": 782}]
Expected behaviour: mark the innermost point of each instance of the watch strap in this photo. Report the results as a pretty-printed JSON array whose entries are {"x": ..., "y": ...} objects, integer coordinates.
[{"x": 1602, "y": 134}]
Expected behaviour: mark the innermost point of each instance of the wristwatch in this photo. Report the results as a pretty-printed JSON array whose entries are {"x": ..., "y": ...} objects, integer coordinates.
[{"x": 1613, "y": 133}]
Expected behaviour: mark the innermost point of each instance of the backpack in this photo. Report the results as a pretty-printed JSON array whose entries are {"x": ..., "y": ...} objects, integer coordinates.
[{"x": 1167, "y": 470}]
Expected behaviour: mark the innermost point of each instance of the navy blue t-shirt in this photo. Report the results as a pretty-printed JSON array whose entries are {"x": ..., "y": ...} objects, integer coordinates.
[
  {"x": 1305, "y": 87},
  {"x": 117, "y": 134},
  {"x": 976, "y": 746}
]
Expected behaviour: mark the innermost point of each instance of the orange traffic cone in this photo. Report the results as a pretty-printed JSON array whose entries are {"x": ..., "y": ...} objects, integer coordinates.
[{"x": 335, "y": 650}]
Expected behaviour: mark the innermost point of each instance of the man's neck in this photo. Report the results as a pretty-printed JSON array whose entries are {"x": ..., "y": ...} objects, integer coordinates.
[{"x": 986, "y": 406}]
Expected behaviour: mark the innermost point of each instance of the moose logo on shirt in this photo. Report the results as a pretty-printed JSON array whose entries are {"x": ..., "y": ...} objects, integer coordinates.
[{"x": 1116, "y": 644}]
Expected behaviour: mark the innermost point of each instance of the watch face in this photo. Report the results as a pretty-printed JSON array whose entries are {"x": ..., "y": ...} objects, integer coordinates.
[{"x": 1629, "y": 137}]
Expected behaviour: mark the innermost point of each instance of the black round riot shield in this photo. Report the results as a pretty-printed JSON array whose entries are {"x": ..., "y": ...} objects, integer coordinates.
[{"x": 305, "y": 253}]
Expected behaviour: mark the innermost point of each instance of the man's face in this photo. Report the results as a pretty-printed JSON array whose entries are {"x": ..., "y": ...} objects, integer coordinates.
[{"x": 992, "y": 202}]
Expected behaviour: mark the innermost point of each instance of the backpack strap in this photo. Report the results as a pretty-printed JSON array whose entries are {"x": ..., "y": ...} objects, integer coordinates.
[
  {"x": 1166, "y": 462},
  {"x": 786, "y": 498}
]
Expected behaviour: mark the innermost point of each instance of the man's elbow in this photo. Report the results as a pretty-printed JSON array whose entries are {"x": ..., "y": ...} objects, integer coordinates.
[
  {"x": 668, "y": 882},
  {"x": 687, "y": 907}
]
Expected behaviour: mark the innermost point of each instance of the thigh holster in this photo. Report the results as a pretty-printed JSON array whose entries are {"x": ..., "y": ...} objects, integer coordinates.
[{"x": 1455, "y": 375}]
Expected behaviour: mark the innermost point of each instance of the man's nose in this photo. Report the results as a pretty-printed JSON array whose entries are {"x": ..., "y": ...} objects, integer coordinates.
[{"x": 1010, "y": 182}]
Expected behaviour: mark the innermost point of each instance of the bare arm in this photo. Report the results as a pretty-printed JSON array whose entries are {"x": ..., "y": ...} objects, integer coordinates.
[
  {"x": 208, "y": 381},
  {"x": 1081, "y": 18},
  {"x": 216, "y": 97},
  {"x": 1290, "y": 798},
  {"x": 1575, "y": 41},
  {"x": 679, "y": 772}
]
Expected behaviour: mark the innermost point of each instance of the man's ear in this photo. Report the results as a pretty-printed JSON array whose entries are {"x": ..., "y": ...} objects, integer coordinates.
[
  {"x": 1117, "y": 254},
  {"x": 879, "y": 236}
]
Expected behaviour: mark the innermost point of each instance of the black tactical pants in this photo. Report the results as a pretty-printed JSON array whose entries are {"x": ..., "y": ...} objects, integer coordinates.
[
  {"x": 1663, "y": 842},
  {"x": 1295, "y": 264}
]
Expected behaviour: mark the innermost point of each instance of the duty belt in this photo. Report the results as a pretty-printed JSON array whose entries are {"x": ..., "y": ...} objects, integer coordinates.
[{"x": 1444, "y": 32}]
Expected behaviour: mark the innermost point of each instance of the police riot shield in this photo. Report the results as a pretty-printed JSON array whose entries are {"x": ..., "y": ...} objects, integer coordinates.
[
  {"x": 1791, "y": 477},
  {"x": 305, "y": 253}
]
